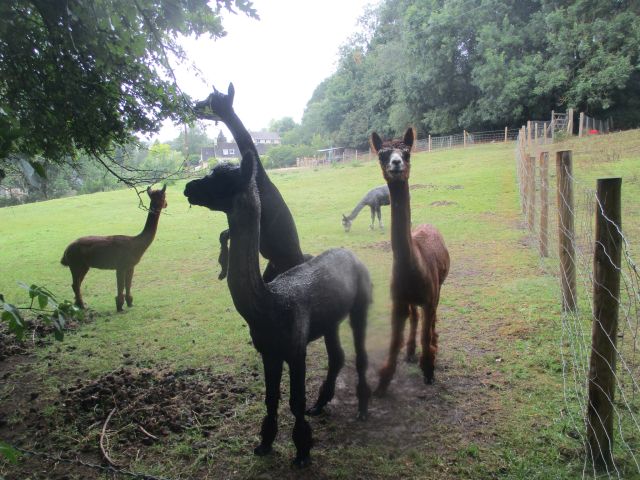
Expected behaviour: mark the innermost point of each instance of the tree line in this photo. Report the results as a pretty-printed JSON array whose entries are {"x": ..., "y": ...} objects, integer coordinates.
[{"x": 448, "y": 65}]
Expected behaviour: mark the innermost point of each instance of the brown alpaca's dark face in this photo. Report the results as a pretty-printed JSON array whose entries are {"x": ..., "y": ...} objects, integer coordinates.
[{"x": 394, "y": 156}]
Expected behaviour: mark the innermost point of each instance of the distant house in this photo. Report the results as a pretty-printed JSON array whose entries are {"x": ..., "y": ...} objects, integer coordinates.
[
  {"x": 224, "y": 151},
  {"x": 266, "y": 138}
]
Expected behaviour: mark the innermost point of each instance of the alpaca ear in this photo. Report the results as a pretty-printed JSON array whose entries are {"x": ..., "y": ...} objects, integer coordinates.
[
  {"x": 376, "y": 142},
  {"x": 231, "y": 92},
  {"x": 149, "y": 190},
  {"x": 409, "y": 137},
  {"x": 164, "y": 187}
]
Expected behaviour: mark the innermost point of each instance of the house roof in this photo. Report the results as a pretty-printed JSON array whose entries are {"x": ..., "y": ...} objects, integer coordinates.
[{"x": 265, "y": 135}]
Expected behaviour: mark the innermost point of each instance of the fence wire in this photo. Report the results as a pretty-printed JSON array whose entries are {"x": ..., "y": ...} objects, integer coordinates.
[
  {"x": 577, "y": 325},
  {"x": 429, "y": 144}
]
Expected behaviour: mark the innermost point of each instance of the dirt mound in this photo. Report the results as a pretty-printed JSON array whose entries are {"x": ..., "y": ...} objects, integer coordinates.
[{"x": 148, "y": 404}]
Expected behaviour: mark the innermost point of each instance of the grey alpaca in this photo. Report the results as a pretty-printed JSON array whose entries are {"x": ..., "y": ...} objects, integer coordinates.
[
  {"x": 374, "y": 199},
  {"x": 300, "y": 305},
  {"x": 279, "y": 242}
]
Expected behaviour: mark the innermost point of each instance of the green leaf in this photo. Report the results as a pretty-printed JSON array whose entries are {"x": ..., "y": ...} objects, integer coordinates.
[
  {"x": 13, "y": 317},
  {"x": 8, "y": 452},
  {"x": 43, "y": 300}
]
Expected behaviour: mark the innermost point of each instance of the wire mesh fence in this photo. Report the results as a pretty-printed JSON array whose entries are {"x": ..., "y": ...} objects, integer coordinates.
[
  {"x": 429, "y": 144},
  {"x": 560, "y": 204}
]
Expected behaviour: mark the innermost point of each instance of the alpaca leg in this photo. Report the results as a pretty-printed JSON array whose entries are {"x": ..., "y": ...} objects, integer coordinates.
[
  {"x": 77, "y": 276},
  {"x": 128, "y": 280},
  {"x": 301, "y": 430},
  {"x": 413, "y": 329},
  {"x": 336, "y": 361},
  {"x": 363, "y": 392},
  {"x": 379, "y": 213},
  {"x": 398, "y": 318},
  {"x": 429, "y": 345},
  {"x": 269, "y": 429},
  {"x": 120, "y": 280},
  {"x": 373, "y": 218}
]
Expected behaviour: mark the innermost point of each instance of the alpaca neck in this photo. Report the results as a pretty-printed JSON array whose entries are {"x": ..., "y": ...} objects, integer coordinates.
[
  {"x": 400, "y": 222},
  {"x": 241, "y": 136},
  {"x": 356, "y": 210},
  {"x": 245, "y": 283},
  {"x": 150, "y": 228}
]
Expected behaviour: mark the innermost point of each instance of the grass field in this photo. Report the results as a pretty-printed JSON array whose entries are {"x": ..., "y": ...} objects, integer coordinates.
[{"x": 496, "y": 410}]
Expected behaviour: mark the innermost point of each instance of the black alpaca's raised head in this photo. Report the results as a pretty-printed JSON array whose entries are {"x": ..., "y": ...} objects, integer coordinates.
[
  {"x": 216, "y": 106},
  {"x": 216, "y": 190},
  {"x": 394, "y": 155},
  {"x": 157, "y": 198}
]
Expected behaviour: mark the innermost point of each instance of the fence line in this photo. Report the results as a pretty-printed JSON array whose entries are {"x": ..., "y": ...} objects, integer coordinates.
[
  {"x": 569, "y": 235},
  {"x": 429, "y": 144}
]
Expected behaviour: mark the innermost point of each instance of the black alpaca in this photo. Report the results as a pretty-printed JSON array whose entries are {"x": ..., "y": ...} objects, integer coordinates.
[
  {"x": 374, "y": 199},
  {"x": 279, "y": 241},
  {"x": 301, "y": 305}
]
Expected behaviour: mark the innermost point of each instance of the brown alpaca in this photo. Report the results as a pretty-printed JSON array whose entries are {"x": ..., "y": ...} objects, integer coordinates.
[
  {"x": 115, "y": 252},
  {"x": 420, "y": 264}
]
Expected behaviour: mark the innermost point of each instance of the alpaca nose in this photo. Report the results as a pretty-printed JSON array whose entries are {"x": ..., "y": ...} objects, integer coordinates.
[{"x": 396, "y": 162}]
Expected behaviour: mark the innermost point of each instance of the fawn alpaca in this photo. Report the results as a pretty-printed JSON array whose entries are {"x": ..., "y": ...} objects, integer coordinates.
[
  {"x": 115, "y": 252},
  {"x": 374, "y": 199},
  {"x": 420, "y": 264},
  {"x": 300, "y": 305}
]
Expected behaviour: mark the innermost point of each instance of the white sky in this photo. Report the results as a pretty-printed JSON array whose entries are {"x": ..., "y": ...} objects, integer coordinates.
[{"x": 275, "y": 63}]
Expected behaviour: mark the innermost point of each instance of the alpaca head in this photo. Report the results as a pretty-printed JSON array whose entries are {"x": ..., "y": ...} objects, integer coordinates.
[
  {"x": 217, "y": 106},
  {"x": 216, "y": 190},
  {"x": 219, "y": 189},
  {"x": 157, "y": 198},
  {"x": 346, "y": 223},
  {"x": 394, "y": 156}
]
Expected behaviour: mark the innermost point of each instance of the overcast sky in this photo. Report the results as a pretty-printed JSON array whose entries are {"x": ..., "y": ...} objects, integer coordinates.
[{"x": 275, "y": 63}]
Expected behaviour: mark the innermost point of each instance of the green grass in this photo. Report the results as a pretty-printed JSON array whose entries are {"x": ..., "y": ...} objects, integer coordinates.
[{"x": 497, "y": 409}]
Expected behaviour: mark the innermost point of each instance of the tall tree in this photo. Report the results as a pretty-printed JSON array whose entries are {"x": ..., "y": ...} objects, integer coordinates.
[{"x": 85, "y": 75}]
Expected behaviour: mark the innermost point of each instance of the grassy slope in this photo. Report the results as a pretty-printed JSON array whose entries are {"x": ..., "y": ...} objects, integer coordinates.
[{"x": 500, "y": 417}]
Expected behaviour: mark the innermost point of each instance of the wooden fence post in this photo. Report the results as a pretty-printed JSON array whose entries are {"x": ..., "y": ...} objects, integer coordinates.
[
  {"x": 580, "y": 128},
  {"x": 531, "y": 192},
  {"x": 535, "y": 133},
  {"x": 570, "y": 121},
  {"x": 506, "y": 134},
  {"x": 521, "y": 169},
  {"x": 529, "y": 134},
  {"x": 544, "y": 204},
  {"x": 464, "y": 138},
  {"x": 429, "y": 142},
  {"x": 544, "y": 134},
  {"x": 606, "y": 291},
  {"x": 566, "y": 233}
]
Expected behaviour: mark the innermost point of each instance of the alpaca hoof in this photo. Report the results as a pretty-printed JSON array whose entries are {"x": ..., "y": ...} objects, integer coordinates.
[
  {"x": 314, "y": 411},
  {"x": 262, "y": 450},
  {"x": 301, "y": 462},
  {"x": 362, "y": 416},
  {"x": 411, "y": 358},
  {"x": 429, "y": 380}
]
